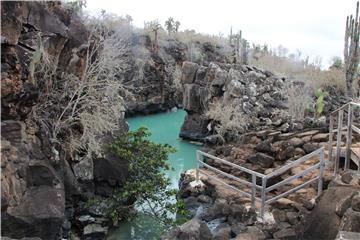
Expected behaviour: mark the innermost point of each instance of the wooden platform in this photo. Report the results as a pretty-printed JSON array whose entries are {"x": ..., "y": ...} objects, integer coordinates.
[{"x": 354, "y": 156}]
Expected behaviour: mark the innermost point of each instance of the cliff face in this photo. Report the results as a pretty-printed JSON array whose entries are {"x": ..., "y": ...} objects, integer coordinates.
[
  {"x": 224, "y": 101},
  {"x": 256, "y": 97},
  {"x": 36, "y": 182}
]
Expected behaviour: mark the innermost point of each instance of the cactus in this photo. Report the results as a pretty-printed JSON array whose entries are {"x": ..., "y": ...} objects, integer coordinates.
[
  {"x": 36, "y": 57},
  {"x": 240, "y": 47},
  {"x": 351, "y": 50},
  {"x": 319, "y": 105}
]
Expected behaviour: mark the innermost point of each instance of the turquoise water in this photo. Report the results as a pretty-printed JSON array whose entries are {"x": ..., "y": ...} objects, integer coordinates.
[{"x": 165, "y": 128}]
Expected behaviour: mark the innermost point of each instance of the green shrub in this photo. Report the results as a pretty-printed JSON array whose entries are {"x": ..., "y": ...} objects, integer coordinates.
[
  {"x": 319, "y": 105},
  {"x": 146, "y": 182}
]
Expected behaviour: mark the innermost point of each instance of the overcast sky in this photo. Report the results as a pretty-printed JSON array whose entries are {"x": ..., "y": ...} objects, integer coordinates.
[{"x": 316, "y": 27}]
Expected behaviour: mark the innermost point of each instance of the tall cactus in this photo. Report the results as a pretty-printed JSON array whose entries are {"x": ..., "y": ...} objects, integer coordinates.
[
  {"x": 351, "y": 50},
  {"x": 240, "y": 47}
]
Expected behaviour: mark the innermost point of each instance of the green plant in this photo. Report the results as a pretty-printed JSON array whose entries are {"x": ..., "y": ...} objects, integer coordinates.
[
  {"x": 351, "y": 50},
  {"x": 35, "y": 59},
  {"x": 319, "y": 105},
  {"x": 146, "y": 186}
]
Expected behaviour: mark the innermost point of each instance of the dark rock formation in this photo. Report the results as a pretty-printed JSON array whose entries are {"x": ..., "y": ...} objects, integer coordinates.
[
  {"x": 194, "y": 229},
  {"x": 39, "y": 178},
  {"x": 323, "y": 222},
  {"x": 245, "y": 88}
]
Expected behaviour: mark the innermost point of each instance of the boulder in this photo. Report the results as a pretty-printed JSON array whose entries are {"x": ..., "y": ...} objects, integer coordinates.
[
  {"x": 201, "y": 76},
  {"x": 346, "y": 177},
  {"x": 310, "y": 147},
  {"x": 355, "y": 203},
  {"x": 39, "y": 214},
  {"x": 194, "y": 98},
  {"x": 84, "y": 169},
  {"x": 292, "y": 217},
  {"x": 262, "y": 159},
  {"x": 350, "y": 221},
  {"x": 343, "y": 205},
  {"x": 236, "y": 89},
  {"x": 194, "y": 229},
  {"x": 194, "y": 127},
  {"x": 323, "y": 222},
  {"x": 39, "y": 173},
  {"x": 251, "y": 233},
  {"x": 222, "y": 233},
  {"x": 10, "y": 22},
  {"x": 220, "y": 78},
  {"x": 265, "y": 147},
  {"x": 286, "y": 233},
  {"x": 219, "y": 209},
  {"x": 296, "y": 142},
  {"x": 214, "y": 139},
  {"x": 109, "y": 171},
  {"x": 191, "y": 204},
  {"x": 204, "y": 198},
  {"x": 94, "y": 231},
  {"x": 279, "y": 215},
  {"x": 188, "y": 72},
  {"x": 320, "y": 137}
]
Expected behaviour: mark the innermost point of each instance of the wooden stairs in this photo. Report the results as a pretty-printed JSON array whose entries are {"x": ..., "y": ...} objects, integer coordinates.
[{"x": 345, "y": 135}]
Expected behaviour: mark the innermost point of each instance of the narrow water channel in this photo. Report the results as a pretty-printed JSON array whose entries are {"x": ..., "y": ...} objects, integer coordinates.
[{"x": 165, "y": 128}]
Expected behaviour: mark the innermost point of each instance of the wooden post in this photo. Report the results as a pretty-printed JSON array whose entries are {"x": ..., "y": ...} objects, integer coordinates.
[
  {"x": 263, "y": 196},
  {"x": 321, "y": 172},
  {"x": 331, "y": 136},
  {"x": 348, "y": 137},
  {"x": 253, "y": 191},
  {"x": 338, "y": 141}
]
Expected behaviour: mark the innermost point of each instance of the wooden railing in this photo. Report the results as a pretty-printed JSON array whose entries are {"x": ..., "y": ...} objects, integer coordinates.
[
  {"x": 263, "y": 189},
  {"x": 341, "y": 130}
]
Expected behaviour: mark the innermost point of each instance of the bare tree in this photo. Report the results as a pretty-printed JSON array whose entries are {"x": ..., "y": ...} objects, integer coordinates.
[
  {"x": 351, "y": 50},
  {"x": 78, "y": 109}
]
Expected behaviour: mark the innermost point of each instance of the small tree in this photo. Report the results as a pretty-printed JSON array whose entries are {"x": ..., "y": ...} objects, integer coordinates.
[
  {"x": 176, "y": 26},
  {"x": 146, "y": 181},
  {"x": 351, "y": 50},
  {"x": 169, "y": 25}
]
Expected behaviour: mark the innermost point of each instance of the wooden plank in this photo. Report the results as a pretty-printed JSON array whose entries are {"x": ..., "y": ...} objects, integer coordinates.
[
  {"x": 331, "y": 128},
  {"x": 355, "y": 129},
  {"x": 321, "y": 173},
  {"x": 348, "y": 137},
  {"x": 355, "y": 156},
  {"x": 338, "y": 141},
  {"x": 343, "y": 130},
  {"x": 356, "y": 104}
]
